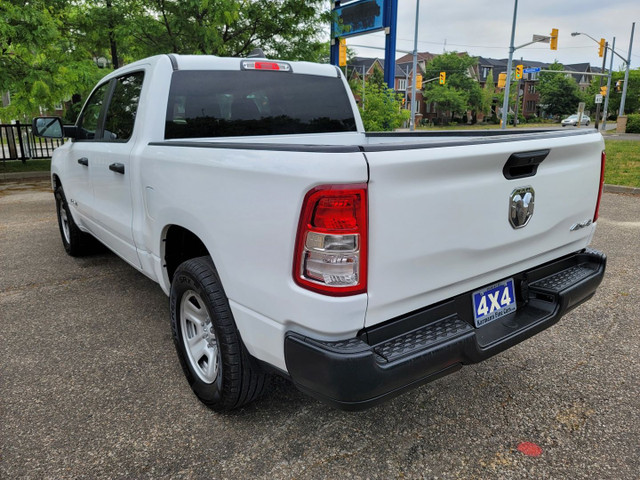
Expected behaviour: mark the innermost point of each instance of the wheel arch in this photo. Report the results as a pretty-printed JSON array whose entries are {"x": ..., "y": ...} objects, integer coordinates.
[
  {"x": 180, "y": 244},
  {"x": 55, "y": 181}
]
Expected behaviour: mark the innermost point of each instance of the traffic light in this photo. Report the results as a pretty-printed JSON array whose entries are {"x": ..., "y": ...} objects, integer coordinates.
[
  {"x": 602, "y": 47},
  {"x": 554, "y": 39},
  {"x": 443, "y": 78},
  {"x": 603, "y": 90},
  {"x": 519, "y": 69},
  {"x": 342, "y": 52},
  {"x": 418, "y": 82},
  {"x": 502, "y": 80}
]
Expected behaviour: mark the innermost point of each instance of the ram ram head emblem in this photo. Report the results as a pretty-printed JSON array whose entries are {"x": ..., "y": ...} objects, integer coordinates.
[{"x": 521, "y": 206}]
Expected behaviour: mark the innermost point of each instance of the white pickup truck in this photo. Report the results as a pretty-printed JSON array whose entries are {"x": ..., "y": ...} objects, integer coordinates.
[{"x": 291, "y": 242}]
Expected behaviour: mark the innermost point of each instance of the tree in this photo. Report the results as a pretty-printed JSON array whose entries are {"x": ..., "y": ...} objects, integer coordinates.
[
  {"x": 488, "y": 94},
  {"x": 460, "y": 92},
  {"x": 48, "y": 47},
  {"x": 382, "y": 107},
  {"x": 282, "y": 28},
  {"x": 39, "y": 63},
  {"x": 632, "y": 100},
  {"x": 559, "y": 93}
]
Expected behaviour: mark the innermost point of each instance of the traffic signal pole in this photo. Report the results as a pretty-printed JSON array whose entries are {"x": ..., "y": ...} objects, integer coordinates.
[
  {"x": 412, "y": 125},
  {"x": 505, "y": 103},
  {"x": 606, "y": 98},
  {"x": 626, "y": 73},
  {"x": 604, "y": 64}
]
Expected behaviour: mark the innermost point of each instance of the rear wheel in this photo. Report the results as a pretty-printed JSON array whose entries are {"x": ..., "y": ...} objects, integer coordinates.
[
  {"x": 217, "y": 365},
  {"x": 75, "y": 242}
]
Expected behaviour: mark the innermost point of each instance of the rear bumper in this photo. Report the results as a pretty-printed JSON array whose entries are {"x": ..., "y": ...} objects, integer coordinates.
[{"x": 403, "y": 353}]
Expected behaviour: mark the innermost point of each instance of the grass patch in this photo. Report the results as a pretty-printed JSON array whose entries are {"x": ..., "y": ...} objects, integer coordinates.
[
  {"x": 623, "y": 163},
  {"x": 12, "y": 166}
]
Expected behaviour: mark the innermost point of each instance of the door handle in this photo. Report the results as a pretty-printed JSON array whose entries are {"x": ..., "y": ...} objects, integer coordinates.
[
  {"x": 117, "y": 167},
  {"x": 84, "y": 161}
]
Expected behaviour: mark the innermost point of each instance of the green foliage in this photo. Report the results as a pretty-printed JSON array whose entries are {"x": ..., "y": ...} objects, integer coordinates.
[
  {"x": 377, "y": 77},
  {"x": 521, "y": 119},
  {"x": 560, "y": 94},
  {"x": 633, "y": 123},
  {"x": 632, "y": 101},
  {"x": 48, "y": 47},
  {"x": 460, "y": 91},
  {"x": 282, "y": 28},
  {"x": 382, "y": 107},
  {"x": 488, "y": 94},
  {"x": 38, "y": 63}
]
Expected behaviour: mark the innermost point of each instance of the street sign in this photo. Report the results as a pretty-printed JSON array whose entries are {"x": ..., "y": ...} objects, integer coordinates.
[
  {"x": 598, "y": 98},
  {"x": 531, "y": 70},
  {"x": 541, "y": 38}
]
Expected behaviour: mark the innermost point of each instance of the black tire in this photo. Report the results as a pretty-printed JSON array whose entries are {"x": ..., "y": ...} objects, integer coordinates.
[
  {"x": 587, "y": 124},
  {"x": 237, "y": 379},
  {"x": 75, "y": 242}
]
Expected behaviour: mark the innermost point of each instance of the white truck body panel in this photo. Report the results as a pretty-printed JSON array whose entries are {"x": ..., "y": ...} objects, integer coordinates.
[
  {"x": 440, "y": 230},
  {"x": 437, "y": 210}
]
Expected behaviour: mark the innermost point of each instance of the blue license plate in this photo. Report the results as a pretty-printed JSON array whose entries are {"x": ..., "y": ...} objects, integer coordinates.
[{"x": 493, "y": 302}]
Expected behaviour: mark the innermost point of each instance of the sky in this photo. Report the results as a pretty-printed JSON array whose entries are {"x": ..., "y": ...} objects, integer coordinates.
[{"x": 483, "y": 28}]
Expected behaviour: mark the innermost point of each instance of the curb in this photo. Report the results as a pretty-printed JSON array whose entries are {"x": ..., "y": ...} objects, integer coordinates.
[
  {"x": 621, "y": 189},
  {"x": 18, "y": 176}
]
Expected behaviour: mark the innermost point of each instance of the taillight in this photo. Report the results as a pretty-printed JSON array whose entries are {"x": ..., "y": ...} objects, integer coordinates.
[
  {"x": 603, "y": 160},
  {"x": 331, "y": 246}
]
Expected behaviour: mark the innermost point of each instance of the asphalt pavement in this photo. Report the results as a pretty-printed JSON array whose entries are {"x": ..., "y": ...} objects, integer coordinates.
[{"x": 90, "y": 386}]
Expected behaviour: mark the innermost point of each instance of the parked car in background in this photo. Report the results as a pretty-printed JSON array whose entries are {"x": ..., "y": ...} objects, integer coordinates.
[{"x": 573, "y": 120}]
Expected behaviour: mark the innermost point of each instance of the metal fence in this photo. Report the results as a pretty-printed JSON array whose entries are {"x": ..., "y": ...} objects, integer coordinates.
[{"x": 17, "y": 142}]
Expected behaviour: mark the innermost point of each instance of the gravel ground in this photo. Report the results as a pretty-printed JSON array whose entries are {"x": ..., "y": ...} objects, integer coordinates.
[{"x": 90, "y": 386}]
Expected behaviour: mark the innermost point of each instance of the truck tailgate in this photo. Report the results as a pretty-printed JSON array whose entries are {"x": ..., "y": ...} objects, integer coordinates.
[{"x": 439, "y": 215}]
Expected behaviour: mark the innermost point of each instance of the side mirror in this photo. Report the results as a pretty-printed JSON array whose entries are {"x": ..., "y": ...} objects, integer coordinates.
[{"x": 48, "y": 127}]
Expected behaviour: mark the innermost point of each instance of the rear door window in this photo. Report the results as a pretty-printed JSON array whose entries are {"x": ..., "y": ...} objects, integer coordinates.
[{"x": 234, "y": 103}]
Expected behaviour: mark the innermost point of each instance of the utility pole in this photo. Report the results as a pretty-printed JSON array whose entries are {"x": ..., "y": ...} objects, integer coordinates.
[
  {"x": 505, "y": 103},
  {"x": 606, "y": 98},
  {"x": 604, "y": 64},
  {"x": 412, "y": 126},
  {"x": 626, "y": 73},
  {"x": 519, "y": 83}
]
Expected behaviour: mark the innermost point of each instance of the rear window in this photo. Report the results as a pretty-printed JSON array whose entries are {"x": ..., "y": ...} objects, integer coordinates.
[{"x": 234, "y": 103}]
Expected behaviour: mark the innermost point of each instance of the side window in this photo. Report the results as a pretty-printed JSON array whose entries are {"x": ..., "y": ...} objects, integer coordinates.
[
  {"x": 90, "y": 115},
  {"x": 121, "y": 114}
]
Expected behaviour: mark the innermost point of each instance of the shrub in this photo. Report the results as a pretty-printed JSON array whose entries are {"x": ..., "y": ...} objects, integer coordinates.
[
  {"x": 633, "y": 123},
  {"x": 521, "y": 119}
]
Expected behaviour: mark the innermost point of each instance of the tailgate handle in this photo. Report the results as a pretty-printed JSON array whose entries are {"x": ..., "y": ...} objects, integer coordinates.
[{"x": 524, "y": 164}]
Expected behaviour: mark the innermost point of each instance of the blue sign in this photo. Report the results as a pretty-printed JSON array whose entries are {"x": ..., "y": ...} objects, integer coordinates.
[
  {"x": 364, "y": 16},
  {"x": 358, "y": 17},
  {"x": 531, "y": 70}
]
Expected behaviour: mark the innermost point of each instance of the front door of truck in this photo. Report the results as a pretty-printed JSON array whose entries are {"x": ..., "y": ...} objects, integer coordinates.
[{"x": 110, "y": 168}]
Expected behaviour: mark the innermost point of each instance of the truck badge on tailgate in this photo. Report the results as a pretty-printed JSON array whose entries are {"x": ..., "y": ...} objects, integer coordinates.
[{"x": 521, "y": 206}]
